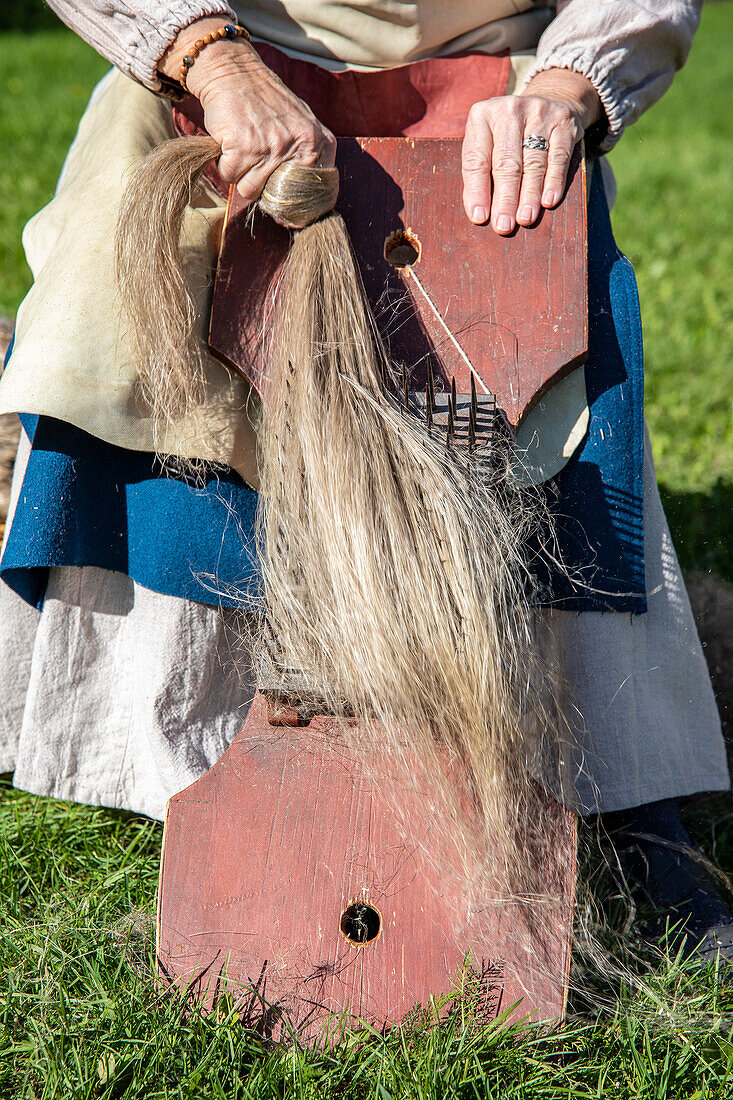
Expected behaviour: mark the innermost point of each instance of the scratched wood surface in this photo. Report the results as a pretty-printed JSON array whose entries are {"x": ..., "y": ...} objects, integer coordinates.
[
  {"x": 265, "y": 852},
  {"x": 516, "y": 305}
]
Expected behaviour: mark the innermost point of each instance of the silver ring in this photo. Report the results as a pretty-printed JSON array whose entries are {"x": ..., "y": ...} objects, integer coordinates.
[{"x": 534, "y": 141}]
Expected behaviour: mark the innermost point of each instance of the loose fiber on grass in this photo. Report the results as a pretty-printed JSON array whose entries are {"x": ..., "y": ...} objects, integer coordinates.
[
  {"x": 663, "y": 985},
  {"x": 394, "y": 567}
]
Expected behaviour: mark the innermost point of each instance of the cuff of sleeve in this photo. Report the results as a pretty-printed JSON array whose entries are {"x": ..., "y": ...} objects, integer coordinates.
[
  {"x": 156, "y": 38},
  {"x": 616, "y": 110}
]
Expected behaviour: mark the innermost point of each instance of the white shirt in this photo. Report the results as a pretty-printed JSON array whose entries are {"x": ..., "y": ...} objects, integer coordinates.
[{"x": 628, "y": 50}]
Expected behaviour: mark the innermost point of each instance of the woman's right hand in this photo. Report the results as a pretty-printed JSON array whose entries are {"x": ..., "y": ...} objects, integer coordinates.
[{"x": 257, "y": 121}]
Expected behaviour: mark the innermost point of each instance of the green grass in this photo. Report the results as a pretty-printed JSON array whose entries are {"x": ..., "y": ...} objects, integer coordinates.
[
  {"x": 78, "y": 1016},
  {"x": 673, "y": 219},
  {"x": 79, "y": 1019},
  {"x": 45, "y": 81}
]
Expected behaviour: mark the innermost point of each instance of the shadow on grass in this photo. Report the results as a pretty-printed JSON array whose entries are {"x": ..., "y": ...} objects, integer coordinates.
[
  {"x": 702, "y": 525},
  {"x": 27, "y": 16}
]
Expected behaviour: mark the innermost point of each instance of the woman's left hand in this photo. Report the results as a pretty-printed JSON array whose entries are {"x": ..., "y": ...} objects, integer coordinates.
[{"x": 507, "y": 178}]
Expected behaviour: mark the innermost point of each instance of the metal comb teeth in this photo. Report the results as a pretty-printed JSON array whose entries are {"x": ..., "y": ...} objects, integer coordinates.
[
  {"x": 472, "y": 417},
  {"x": 467, "y": 420}
]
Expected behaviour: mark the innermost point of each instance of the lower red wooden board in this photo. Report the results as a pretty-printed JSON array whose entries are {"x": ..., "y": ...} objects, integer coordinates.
[
  {"x": 265, "y": 857},
  {"x": 516, "y": 305}
]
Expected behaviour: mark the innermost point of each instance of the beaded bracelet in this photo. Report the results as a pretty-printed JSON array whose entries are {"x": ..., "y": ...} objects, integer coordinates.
[{"x": 227, "y": 31}]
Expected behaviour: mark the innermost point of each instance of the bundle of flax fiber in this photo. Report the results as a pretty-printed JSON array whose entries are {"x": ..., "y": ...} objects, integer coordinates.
[{"x": 394, "y": 564}]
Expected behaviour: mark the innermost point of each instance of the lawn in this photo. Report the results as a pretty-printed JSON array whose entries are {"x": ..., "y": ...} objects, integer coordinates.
[{"x": 79, "y": 1017}]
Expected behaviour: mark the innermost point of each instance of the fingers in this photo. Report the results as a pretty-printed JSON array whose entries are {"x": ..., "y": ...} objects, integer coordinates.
[
  {"x": 476, "y": 165},
  {"x": 251, "y": 182},
  {"x": 534, "y": 163},
  {"x": 563, "y": 140},
  {"x": 507, "y": 179},
  {"x": 507, "y": 169},
  {"x": 249, "y": 164}
]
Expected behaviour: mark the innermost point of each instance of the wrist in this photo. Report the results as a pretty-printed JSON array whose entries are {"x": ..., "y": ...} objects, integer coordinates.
[
  {"x": 212, "y": 57},
  {"x": 570, "y": 88}
]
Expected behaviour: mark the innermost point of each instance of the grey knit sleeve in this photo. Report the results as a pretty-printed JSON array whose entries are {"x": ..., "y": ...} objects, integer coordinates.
[
  {"x": 134, "y": 34},
  {"x": 629, "y": 51}
]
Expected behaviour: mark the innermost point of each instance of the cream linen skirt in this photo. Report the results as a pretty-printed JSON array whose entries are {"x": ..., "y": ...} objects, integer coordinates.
[{"x": 119, "y": 696}]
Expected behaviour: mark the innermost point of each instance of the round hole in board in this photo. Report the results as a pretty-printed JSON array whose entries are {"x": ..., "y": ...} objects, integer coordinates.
[
  {"x": 402, "y": 248},
  {"x": 360, "y": 923}
]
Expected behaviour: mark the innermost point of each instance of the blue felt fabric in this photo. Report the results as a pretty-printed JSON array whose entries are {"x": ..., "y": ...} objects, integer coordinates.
[{"x": 85, "y": 502}]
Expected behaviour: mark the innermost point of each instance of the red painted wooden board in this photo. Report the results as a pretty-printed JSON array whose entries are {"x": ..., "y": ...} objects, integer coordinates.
[
  {"x": 265, "y": 852},
  {"x": 517, "y": 305}
]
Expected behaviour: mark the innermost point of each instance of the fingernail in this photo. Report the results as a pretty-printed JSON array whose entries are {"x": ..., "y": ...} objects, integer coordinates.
[
  {"x": 503, "y": 223},
  {"x": 548, "y": 198},
  {"x": 526, "y": 214},
  {"x": 479, "y": 215}
]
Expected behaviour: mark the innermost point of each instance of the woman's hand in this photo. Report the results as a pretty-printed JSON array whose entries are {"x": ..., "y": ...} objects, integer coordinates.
[
  {"x": 507, "y": 182},
  {"x": 258, "y": 122}
]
